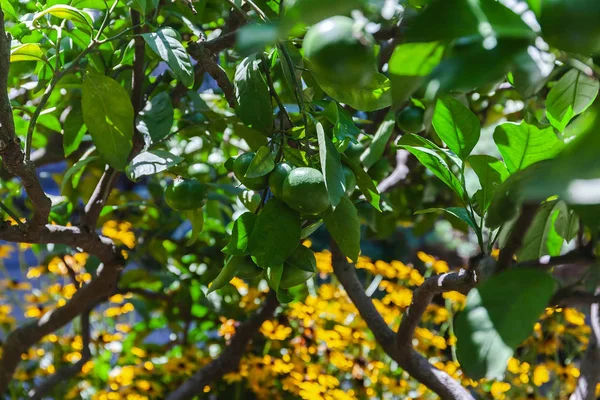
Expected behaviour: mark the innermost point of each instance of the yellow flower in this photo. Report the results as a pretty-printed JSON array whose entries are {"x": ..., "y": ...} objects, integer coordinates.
[
  {"x": 227, "y": 329},
  {"x": 120, "y": 231},
  {"x": 275, "y": 331},
  {"x": 574, "y": 317},
  {"x": 499, "y": 389},
  {"x": 541, "y": 375},
  {"x": 6, "y": 250},
  {"x": 324, "y": 262},
  {"x": 35, "y": 272}
]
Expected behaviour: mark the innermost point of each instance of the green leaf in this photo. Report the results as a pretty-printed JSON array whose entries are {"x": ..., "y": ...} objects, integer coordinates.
[
  {"x": 151, "y": 162},
  {"x": 196, "y": 218},
  {"x": 76, "y": 170},
  {"x": 410, "y": 64},
  {"x": 63, "y": 11},
  {"x": 433, "y": 162},
  {"x": 262, "y": 163},
  {"x": 253, "y": 137},
  {"x": 371, "y": 97},
  {"x": 453, "y": 19},
  {"x": 108, "y": 115},
  {"x": 275, "y": 235},
  {"x": 377, "y": 147},
  {"x": 240, "y": 234},
  {"x": 253, "y": 97},
  {"x": 344, "y": 226},
  {"x": 73, "y": 129},
  {"x": 228, "y": 272},
  {"x": 27, "y": 52},
  {"x": 8, "y": 9},
  {"x": 364, "y": 183},
  {"x": 165, "y": 43},
  {"x": 253, "y": 38},
  {"x": 541, "y": 238},
  {"x": 274, "y": 276},
  {"x": 457, "y": 126},
  {"x": 343, "y": 126},
  {"x": 491, "y": 173},
  {"x": 331, "y": 166},
  {"x": 458, "y": 212},
  {"x": 567, "y": 223},
  {"x": 498, "y": 317},
  {"x": 522, "y": 145},
  {"x": 156, "y": 119},
  {"x": 570, "y": 96}
]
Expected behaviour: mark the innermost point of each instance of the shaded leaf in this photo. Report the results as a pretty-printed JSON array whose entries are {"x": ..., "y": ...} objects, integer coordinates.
[
  {"x": 374, "y": 96},
  {"x": 380, "y": 140},
  {"x": 262, "y": 163},
  {"x": 344, "y": 226},
  {"x": 457, "y": 126},
  {"x": 491, "y": 173},
  {"x": 156, "y": 119},
  {"x": 253, "y": 96},
  {"x": 498, "y": 317},
  {"x": 364, "y": 183},
  {"x": 240, "y": 234}
]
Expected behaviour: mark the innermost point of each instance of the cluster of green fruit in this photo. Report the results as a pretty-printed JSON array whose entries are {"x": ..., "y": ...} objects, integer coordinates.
[{"x": 302, "y": 189}]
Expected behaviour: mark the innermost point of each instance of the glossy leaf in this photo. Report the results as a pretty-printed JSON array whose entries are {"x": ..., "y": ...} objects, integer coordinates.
[
  {"x": 380, "y": 140},
  {"x": 433, "y": 162},
  {"x": 498, "y": 317},
  {"x": 331, "y": 167},
  {"x": 457, "y": 126},
  {"x": 108, "y": 115},
  {"x": 570, "y": 96},
  {"x": 240, "y": 234},
  {"x": 253, "y": 96},
  {"x": 27, "y": 52},
  {"x": 262, "y": 163},
  {"x": 156, "y": 119},
  {"x": 491, "y": 173},
  {"x": 63, "y": 11},
  {"x": 151, "y": 162},
  {"x": 275, "y": 235},
  {"x": 522, "y": 145},
  {"x": 166, "y": 44},
  {"x": 344, "y": 226}
]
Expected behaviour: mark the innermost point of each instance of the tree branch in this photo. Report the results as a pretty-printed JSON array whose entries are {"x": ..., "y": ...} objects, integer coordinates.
[
  {"x": 589, "y": 371},
  {"x": 399, "y": 346},
  {"x": 10, "y": 147},
  {"x": 229, "y": 359},
  {"x": 22, "y": 338},
  {"x": 515, "y": 239},
  {"x": 583, "y": 255},
  {"x": 66, "y": 373}
]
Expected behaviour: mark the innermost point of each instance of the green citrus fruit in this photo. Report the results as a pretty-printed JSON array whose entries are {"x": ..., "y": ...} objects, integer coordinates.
[
  {"x": 298, "y": 268},
  {"x": 240, "y": 166},
  {"x": 572, "y": 25},
  {"x": 340, "y": 52},
  {"x": 277, "y": 177},
  {"x": 304, "y": 190},
  {"x": 410, "y": 119},
  {"x": 246, "y": 269},
  {"x": 350, "y": 180},
  {"x": 186, "y": 194},
  {"x": 202, "y": 171}
]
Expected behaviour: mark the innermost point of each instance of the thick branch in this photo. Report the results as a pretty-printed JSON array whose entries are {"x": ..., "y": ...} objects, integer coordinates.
[
  {"x": 515, "y": 239},
  {"x": 229, "y": 359},
  {"x": 396, "y": 345},
  {"x": 207, "y": 61},
  {"x": 66, "y": 373},
  {"x": 10, "y": 148},
  {"x": 589, "y": 371}
]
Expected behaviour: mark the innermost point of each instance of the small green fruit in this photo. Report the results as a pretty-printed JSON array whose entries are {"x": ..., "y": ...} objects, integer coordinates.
[
  {"x": 241, "y": 165},
  {"x": 304, "y": 190},
  {"x": 277, "y": 177},
  {"x": 411, "y": 119},
  {"x": 186, "y": 194}
]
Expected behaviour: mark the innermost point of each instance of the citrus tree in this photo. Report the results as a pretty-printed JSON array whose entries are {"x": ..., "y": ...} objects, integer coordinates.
[{"x": 187, "y": 187}]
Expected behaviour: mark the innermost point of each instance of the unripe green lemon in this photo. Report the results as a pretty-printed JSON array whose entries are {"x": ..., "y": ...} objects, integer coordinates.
[
  {"x": 350, "y": 180},
  {"x": 340, "y": 52},
  {"x": 186, "y": 194},
  {"x": 277, "y": 177},
  {"x": 410, "y": 119},
  {"x": 240, "y": 166},
  {"x": 304, "y": 190},
  {"x": 572, "y": 25}
]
